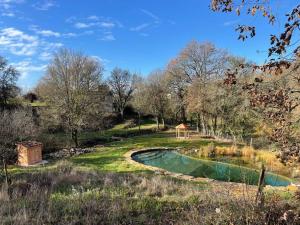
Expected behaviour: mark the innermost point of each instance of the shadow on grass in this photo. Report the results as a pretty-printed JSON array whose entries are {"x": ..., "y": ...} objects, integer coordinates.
[{"x": 99, "y": 161}]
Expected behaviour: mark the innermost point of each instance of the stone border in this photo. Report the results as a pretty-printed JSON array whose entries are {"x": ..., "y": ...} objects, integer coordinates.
[{"x": 128, "y": 156}]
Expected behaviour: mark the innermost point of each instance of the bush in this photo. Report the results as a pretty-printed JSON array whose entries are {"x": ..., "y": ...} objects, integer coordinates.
[{"x": 248, "y": 152}]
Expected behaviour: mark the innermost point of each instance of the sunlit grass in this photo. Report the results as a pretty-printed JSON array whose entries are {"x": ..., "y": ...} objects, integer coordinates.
[{"x": 111, "y": 157}]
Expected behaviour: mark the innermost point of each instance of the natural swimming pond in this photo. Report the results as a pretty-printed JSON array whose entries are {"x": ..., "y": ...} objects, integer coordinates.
[{"x": 175, "y": 162}]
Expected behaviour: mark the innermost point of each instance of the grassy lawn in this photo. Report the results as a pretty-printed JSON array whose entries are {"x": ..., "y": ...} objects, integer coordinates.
[
  {"x": 103, "y": 186},
  {"x": 111, "y": 156},
  {"x": 59, "y": 140}
]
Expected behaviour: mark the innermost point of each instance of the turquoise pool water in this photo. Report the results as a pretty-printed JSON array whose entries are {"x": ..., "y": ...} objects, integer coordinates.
[{"x": 175, "y": 162}]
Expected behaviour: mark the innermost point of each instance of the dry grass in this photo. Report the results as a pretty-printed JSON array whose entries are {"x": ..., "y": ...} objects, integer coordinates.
[
  {"x": 70, "y": 196},
  {"x": 211, "y": 151},
  {"x": 247, "y": 155},
  {"x": 248, "y": 152}
]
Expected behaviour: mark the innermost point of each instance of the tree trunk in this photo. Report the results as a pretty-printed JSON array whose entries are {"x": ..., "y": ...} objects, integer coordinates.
[
  {"x": 157, "y": 122},
  {"x": 198, "y": 123},
  {"x": 182, "y": 112},
  {"x": 163, "y": 122},
  {"x": 75, "y": 137},
  {"x": 122, "y": 114},
  {"x": 204, "y": 128},
  {"x": 260, "y": 194},
  {"x": 215, "y": 120},
  {"x": 139, "y": 121},
  {"x": 5, "y": 173}
]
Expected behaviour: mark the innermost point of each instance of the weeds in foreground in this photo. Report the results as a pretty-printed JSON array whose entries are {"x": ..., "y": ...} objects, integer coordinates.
[{"x": 70, "y": 196}]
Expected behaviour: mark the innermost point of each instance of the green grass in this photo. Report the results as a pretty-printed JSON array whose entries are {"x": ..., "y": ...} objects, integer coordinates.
[
  {"x": 111, "y": 157},
  {"x": 59, "y": 140},
  {"x": 103, "y": 186}
]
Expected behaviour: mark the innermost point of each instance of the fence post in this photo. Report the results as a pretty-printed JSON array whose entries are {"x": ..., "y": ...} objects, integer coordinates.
[{"x": 260, "y": 195}]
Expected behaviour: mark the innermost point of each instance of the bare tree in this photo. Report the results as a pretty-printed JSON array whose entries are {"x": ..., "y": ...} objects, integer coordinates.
[
  {"x": 178, "y": 87},
  {"x": 72, "y": 91},
  {"x": 201, "y": 61},
  {"x": 197, "y": 62},
  {"x": 139, "y": 99},
  {"x": 8, "y": 78},
  {"x": 122, "y": 85},
  {"x": 17, "y": 125},
  {"x": 157, "y": 97},
  {"x": 191, "y": 73}
]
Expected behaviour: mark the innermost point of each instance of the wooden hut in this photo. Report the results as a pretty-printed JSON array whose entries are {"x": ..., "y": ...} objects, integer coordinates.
[
  {"x": 182, "y": 131},
  {"x": 29, "y": 153}
]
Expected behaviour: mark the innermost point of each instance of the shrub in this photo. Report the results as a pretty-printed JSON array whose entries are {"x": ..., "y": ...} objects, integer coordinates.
[{"x": 248, "y": 152}]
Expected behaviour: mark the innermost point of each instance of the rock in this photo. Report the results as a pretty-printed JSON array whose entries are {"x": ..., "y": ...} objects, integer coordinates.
[{"x": 66, "y": 153}]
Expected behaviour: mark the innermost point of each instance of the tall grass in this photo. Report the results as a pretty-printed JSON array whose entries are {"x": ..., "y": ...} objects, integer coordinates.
[
  {"x": 69, "y": 196},
  {"x": 246, "y": 156}
]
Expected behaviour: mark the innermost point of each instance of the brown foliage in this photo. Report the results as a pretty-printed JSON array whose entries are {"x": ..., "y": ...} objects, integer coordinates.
[{"x": 279, "y": 43}]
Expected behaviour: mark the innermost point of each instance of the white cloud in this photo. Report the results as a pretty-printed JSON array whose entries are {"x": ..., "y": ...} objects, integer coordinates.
[
  {"x": 80, "y": 25},
  {"x": 93, "y": 21},
  {"x": 45, "y": 56},
  {"x": 108, "y": 37},
  {"x": 17, "y": 42},
  {"x": 45, "y": 5},
  {"x": 26, "y": 67},
  {"x": 152, "y": 15},
  {"x": 140, "y": 27},
  {"x": 107, "y": 24},
  {"x": 70, "y": 34},
  {"x": 48, "y": 49},
  {"x": 8, "y": 4},
  {"x": 156, "y": 21},
  {"x": 45, "y": 33},
  {"x": 7, "y": 7},
  {"x": 101, "y": 60},
  {"x": 51, "y": 33},
  {"x": 48, "y": 33},
  {"x": 93, "y": 17},
  {"x": 8, "y": 14},
  {"x": 53, "y": 45},
  {"x": 71, "y": 19}
]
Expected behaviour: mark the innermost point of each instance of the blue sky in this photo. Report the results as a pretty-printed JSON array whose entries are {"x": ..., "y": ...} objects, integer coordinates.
[{"x": 140, "y": 35}]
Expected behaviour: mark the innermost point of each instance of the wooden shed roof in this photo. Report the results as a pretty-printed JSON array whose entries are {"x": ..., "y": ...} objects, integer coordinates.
[
  {"x": 182, "y": 126},
  {"x": 29, "y": 144}
]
